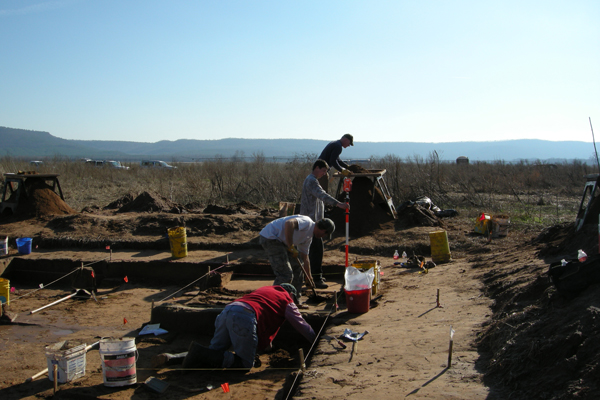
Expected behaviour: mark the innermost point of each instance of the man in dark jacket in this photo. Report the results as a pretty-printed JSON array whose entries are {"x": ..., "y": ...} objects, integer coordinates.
[
  {"x": 331, "y": 155},
  {"x": 248, "y": 324}
]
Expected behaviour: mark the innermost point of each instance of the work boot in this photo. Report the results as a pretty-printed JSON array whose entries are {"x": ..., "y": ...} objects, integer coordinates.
[
  {"x": 320, "y": 284},
  {"x": 166, "y": 359},
  {"x": 199, "y": 356}
]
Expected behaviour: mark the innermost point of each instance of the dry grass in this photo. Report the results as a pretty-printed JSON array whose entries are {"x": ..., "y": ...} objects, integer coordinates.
[{"x": 531, "y": 193}]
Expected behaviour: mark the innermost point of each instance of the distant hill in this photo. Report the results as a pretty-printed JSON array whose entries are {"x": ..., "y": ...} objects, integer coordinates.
[{"x": 34, "y": 144}]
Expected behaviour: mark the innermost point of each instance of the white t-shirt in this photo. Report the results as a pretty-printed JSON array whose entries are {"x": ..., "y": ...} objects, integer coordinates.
[{"x": 302, "y": 237}]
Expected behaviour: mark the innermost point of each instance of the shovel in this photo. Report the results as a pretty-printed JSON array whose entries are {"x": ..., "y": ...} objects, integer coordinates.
[{"x": 315, "y": 296}]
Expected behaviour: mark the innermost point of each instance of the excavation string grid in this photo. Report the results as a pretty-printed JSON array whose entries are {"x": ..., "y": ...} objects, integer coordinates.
[
  {"x": 191, "y": 283},
  {"x": 301, "y": 352},
  {"x": 302, "y": 358},
  {"x": 45, "y": 286}
]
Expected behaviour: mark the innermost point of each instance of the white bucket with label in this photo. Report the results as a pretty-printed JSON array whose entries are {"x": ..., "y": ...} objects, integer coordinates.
[
  {"x": 118, "y": 356},
  {"x": 4, "y": 246},
  {"x": 69, "y": 356}
]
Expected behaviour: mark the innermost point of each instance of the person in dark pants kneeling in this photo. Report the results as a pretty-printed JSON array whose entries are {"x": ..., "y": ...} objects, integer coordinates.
[{"x": 247, "y": 324}]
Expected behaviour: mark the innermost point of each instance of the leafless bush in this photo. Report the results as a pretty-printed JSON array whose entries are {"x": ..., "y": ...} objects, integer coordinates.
[{"x": 530, "y": 190}]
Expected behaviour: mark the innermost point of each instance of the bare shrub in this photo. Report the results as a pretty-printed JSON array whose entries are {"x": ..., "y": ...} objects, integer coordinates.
[{"x": 528, "y": 191}]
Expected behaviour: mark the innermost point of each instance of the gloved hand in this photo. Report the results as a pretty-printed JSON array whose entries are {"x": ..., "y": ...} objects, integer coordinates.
[
  {"x": 293, "y": 252},
  {"x": 346, "y": 172}
]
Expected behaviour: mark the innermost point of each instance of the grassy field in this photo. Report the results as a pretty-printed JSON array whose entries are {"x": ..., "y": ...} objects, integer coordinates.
[{"x": 530, "y": 193}]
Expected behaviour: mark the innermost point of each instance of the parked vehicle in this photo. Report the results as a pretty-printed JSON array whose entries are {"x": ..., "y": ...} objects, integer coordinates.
[
  {"x": 36, "y": 164},
  {"x": 156, "y": 164},
  {"x": 95, "y": 163},
  {"x": 115, "y": 164}
]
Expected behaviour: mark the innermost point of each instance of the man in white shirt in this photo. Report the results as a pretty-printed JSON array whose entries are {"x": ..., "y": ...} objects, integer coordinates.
[{"x": 291, "y": 237}]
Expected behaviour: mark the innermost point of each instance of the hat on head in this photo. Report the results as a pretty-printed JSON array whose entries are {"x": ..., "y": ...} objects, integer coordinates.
[
  {"x": 327, "y": 225},
  {"x": 291, "y": 290},
  {"x": 350, "y": 138}
]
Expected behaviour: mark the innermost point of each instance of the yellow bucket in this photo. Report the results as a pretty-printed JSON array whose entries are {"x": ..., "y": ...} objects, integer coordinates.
[
  {"x": 4, "y": 291},
  {"x": 440, "y": 250},
  {"x": 367, "y": 265},
  {"x": 178, "y": 242}
]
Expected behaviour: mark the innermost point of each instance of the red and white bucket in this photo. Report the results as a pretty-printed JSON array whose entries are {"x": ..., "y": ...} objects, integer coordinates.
[{"x": 118, "y": 356}]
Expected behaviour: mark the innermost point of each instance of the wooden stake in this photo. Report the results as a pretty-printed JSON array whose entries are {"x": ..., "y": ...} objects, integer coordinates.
[
  {"x": 301, "y": 355},
  {"x": 335, "y": 303},
  {"x": 55, "y": 372},
  {"x": 450, "y": 347}
]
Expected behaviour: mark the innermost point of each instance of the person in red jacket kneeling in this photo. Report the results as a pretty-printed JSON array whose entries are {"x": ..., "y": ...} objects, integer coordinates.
[{"x": 248, "y": 324}]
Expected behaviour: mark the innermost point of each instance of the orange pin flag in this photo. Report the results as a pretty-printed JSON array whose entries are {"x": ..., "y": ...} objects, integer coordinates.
[
  {"x": 124, "y": 320},
  {"x": 93, "y": 276},
  {"x": 125, "y": 279},
  {"x": 225, "y": 387}
]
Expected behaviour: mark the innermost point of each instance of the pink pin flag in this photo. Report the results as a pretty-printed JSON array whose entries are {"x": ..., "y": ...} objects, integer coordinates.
[
  {"x": 12, "y": 289},
  {"x": 107, "y": 247}
]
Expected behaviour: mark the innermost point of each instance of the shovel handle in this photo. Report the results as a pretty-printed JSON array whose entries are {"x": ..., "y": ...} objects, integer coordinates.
[{"x": 308, "y": 277}]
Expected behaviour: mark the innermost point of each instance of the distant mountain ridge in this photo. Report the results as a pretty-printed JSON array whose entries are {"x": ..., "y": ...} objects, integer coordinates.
[{"x": 23, "y": 143}]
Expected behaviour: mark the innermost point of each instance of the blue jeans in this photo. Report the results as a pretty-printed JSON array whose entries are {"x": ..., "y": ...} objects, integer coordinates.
[{"x": 235, "y": 327}]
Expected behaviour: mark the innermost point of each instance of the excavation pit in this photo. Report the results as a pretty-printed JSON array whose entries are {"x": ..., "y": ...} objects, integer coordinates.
[{"x": 131, "y": 290}]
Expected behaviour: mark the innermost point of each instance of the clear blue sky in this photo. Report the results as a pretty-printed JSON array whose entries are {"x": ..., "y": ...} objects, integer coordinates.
[{"x": 419, "y": 71}]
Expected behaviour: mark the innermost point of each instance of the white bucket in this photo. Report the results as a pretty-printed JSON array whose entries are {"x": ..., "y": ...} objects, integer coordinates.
[
  {"x": 4, "y": 246},
  {"x": 118, "y": 361},
  {"x": 69, "y": 356}
]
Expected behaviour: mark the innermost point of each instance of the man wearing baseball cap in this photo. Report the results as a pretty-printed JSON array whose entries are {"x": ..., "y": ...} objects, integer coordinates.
[
  {"x": 331, "y": 154},
  {"x": 290, "y": 237}
]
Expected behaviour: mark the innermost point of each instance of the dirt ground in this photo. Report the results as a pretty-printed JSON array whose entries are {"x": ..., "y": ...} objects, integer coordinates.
[{"x": 512, "y": 335}]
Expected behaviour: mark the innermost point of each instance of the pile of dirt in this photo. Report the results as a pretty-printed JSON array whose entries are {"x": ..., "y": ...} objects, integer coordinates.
[
  {"x": 357, "y": 169},
  {"x": 563, "y": 239},
  {"x": 214, "y": 209},
  {"x": 148, "y": 202},
  {"x": 194, "y": 207},
  {"x": 41, "y": 200},
  {"x": 120, "y": 202},
  {"x": 542, "y": 342},
  {"x": 244, "y": 207}
]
